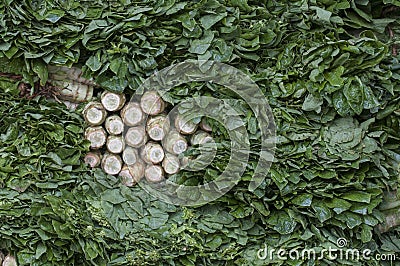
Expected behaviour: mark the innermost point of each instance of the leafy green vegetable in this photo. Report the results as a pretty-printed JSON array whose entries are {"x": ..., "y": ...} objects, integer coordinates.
[{"x": 328, "y": 69}]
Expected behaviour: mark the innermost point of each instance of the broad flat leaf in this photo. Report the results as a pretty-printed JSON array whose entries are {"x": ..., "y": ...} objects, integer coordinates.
[
  {"x": 304, "y": 200},
  {"x": 322, "y": 212},
  {"x": 208, "y": 21},
  {"x": 113, "y": 196},
  {"x": 338, "y": 205},
  {"x": 312, "y": 103},
  {"x": 201, "y": 45},
  {"x": 357, "y": 196},
  {"x": 334, "y": 77}
]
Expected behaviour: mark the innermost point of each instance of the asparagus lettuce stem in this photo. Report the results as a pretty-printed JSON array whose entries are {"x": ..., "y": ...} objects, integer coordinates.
[
  {"x": 112, "y": 101},
  {"x": 136, "y": 137},
  {"x": 68, "y": 73},
  {"x": 154, "y": 173},
  {"x": 132, "y": 114},
  {"x": 70, "y": 105},
  {"x": 97, "y": 136},
  {"x": 171, "y": 164},
  {"x": 185, "y": 126},
  {"x": 114, "y": 125},
  {"x": 94, "y": 113},
  {"x": 151, "y": 103},
  {"x": 9, "y": 261},
  {"x": 152, "y": 153},
  {"x": 204, "y": 125},
  {"x": 130, "y": 155},
  {"x": 201, "y": 137},
  {"x": 392, "y": 219},
  {"x": 115, "y": 144},
  {"x": 126, "y": 176},
  {"x": 157, "y": 127},
  {"x": 111, "y": 163},
  {"x": 93, "y": 159},
  {"x": 73, "y": 91},
  {"x": 137, "y": 170},
  {"x": 175, "y": 143}
]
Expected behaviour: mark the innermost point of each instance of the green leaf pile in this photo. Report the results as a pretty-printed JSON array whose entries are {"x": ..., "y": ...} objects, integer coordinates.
[{"x": 329, "y": 69}]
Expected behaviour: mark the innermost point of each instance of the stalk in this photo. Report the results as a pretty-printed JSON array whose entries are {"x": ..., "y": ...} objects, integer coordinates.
[
  {"x": 132, "y": 114},
  {"x": 171, "y": 164},
  {"x": 9, "y": 261},
  {"x": 136, "y": 137},
  {"x": 72, "y": 90},
  {"x": 204, "y": 125},
  {"x": 152, "y": 153},
  {"x": 111, "y": 163},
  {"x": 201, "y": 137},
  {"x": 94, "y": 113},
  {"x": 70, "y": 105},
  {"x": 137, "y": 170},
  {"x": 183, "y": 126},
  {"x": 392, "y": 219},
  {"x": 126, "y": 176},
  {"x": 68, "y": 73},
  {"x": 154, "y": 173},
  {"x": 157, "y": 127},
  {"x": 184, "y": 162},
  {"x": 130, "y": 156},
  {"x": 97, "y": 136},
  {"x": 115, "y": 144},
  {"x": 112, "y": 101},
  {"x": 175, "y": 143},
  {"x": 114, "y": 125},
  {"x": 390, "y": 201},
  {"x": 93, "y": 159},
  {"x": 151, "y": 103}
]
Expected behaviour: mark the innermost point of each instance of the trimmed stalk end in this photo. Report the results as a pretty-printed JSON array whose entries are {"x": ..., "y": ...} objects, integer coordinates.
[
  {"x": 97, "y": 136},
  {"x": 154, "y": 173}
]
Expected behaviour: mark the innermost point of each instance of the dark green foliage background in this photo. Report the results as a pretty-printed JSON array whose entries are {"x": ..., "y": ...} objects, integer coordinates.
[{"x": 327, "y": 68}]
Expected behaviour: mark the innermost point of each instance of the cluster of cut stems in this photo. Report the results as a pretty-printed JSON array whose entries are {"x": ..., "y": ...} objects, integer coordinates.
[{"x": 137, "y": 139}]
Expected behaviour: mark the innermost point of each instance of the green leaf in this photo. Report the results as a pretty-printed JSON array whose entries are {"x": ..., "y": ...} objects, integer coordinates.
[
  {"x": 4, "y": 46},
  {"x": 208, "y": 21},
  {"x": 113, "y": 196},
  {"x": 214, "y": 243},
  {"x": 334, "y": 78},
  {"x": 338, "y": 205},
  {"x": 62, "y": 230},
  {"x": 322, "y": 14},
  {"x": 40, "y": 68},
  {"x": 304, "y": 200},
  {"x": 54, "y": 15},
  {"x": 357, "y": 196},
  {"x": 201, "y": 45},
  {"x": 354, "y": 93},
  {"x": 352, "y": 220},
  {"x": 41, "y": 249},
  {"x": 156, "y": 219},
  {"x": 94, "y": 62},
  {"x": 55, "y": 158},
  {"x": 312, "y": 103},
  {"x": 322, "y": 212},
  {"x": 282, "y": 223}
]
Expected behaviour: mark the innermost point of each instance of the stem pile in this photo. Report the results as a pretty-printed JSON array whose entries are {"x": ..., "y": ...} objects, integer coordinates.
[{"x": 149, "y": 148}]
